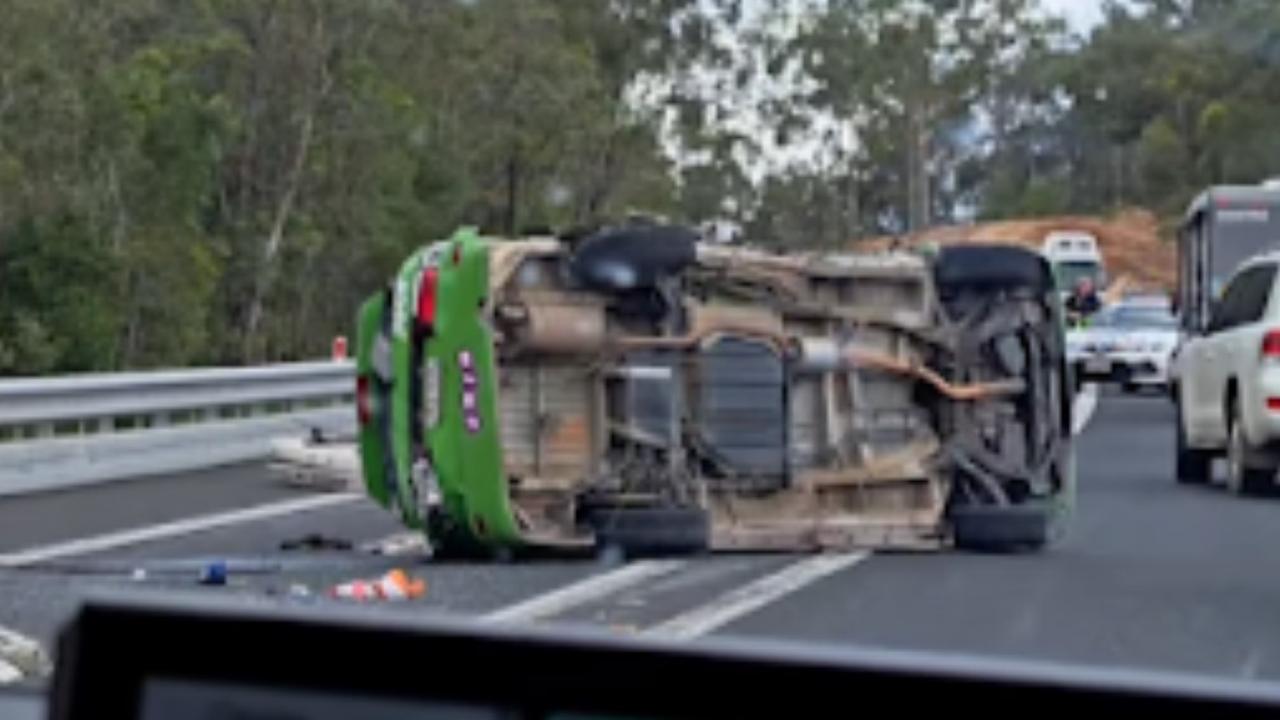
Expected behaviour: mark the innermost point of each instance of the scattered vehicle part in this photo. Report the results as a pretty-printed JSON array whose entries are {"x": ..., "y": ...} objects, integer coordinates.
[
  {"x": 9, "y": 674},
  {"x": 401, "y": 544},
  {"x": 214, "y": 573},
  {"x": 21, "y": 658},
  {"x": 639, "y": 388},
  {"x": 316, "y": 541},
  {"x": 329, "y": 465},
  {"x": 396, "y": 585}
]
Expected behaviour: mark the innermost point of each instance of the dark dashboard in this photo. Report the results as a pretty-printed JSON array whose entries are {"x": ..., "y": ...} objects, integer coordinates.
[{"x": 128, "y": 657}]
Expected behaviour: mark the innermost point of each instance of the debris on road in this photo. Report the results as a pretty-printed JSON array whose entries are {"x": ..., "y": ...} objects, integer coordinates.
[
  {"x": 214, "y": 573},
  {"x": 399, "y": 545},
  {"x": 396, "y": 585},
  {"x": 21, "y": 658},
  {"x": 316, "y": 541},
  {"x": 317, "y": 465}
]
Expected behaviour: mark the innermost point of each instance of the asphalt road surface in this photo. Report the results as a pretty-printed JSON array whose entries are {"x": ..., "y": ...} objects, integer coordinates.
[{"x": 1154, "y": 575}]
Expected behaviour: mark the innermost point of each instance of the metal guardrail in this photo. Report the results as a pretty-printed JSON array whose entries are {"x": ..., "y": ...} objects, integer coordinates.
[{"x": 74, "y": 430}]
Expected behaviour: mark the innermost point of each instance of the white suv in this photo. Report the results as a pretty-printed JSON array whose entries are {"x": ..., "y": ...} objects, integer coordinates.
[{"x": 1228, "y": 384}]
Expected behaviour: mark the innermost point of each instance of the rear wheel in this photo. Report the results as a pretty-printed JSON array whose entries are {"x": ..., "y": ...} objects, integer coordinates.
[
  {"x": 649, "y": 531},
  {"x": 1243, "y": 476},
  {"x": 1008, "y": 528}
]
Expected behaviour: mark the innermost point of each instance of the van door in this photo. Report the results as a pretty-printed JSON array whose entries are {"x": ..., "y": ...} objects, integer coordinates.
[{"x": 1240, "y": 345}]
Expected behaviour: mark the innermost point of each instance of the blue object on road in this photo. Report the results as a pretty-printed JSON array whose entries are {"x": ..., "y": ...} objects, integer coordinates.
[{"x": 214, "y": 573}]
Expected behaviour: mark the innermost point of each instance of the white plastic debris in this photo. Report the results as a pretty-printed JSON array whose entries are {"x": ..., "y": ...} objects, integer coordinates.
[
  {"x": 317, "y": 466},
  {"x": 400, "y": 544},
  {"x": 20, "y": 656}
]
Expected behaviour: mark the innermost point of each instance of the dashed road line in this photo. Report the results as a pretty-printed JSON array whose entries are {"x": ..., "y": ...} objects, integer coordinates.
[
  {"x": 186, "y": 526},
  {"x": 748, "y": 598},
  {"x": 594, "y": 588}
]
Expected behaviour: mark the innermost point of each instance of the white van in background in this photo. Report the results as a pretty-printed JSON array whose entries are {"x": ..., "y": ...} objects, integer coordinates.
[{"x": 1074, "y": 255}]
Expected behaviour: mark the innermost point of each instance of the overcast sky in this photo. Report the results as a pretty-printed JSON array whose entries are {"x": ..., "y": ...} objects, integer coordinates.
[{"x": 1083, "y": 14}]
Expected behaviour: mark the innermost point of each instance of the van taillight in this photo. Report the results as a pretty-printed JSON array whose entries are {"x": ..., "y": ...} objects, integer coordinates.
[
  {"x": 364, "y": 401},
  {"x": 427, "y": 298},
  {"x": 1271, "y": 344}
]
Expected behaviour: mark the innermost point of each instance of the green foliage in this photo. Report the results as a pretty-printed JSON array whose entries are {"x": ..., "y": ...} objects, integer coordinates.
[
  {"x": 1160, "y": 101},
  {"x": 223, "y": 181}
]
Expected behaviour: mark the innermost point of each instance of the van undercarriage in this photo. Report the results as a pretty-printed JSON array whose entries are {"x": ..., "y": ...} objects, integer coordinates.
[{"x": 665, "y": 395}]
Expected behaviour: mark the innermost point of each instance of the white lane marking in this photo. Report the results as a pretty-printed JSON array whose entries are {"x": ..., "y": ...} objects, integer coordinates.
[
  {"x": 1085, "y": 403},
  {"x": 580, "y": 593},
  {"x": 754, "y": 595},
  {"x": 186, "y": 526}
]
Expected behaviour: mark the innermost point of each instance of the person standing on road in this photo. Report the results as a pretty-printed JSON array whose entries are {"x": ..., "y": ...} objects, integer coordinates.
[{"x": 1084, "y": 302}]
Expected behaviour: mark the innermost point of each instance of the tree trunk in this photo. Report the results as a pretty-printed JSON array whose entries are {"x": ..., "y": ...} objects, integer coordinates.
[
  {"x": 265, "y": 274},
  {"x": 917, "y": 167},
  {"x": 266, "y": 265},
  {"x": 513, "y": 192}
]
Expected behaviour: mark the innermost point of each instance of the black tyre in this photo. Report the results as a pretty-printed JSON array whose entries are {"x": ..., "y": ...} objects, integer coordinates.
[
  {"x": 1192, "y": 466},
  {"x": 1010, "y": 528},
  {"x": 633, "y": 257},
  {"x": 649, "y": 531},
  {"x": 1245, "y": 476},
  {"x": 989, "y": 266}
]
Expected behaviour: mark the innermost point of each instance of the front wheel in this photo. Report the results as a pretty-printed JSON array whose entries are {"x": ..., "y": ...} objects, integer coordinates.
[{"x": 1244, "y": 477}]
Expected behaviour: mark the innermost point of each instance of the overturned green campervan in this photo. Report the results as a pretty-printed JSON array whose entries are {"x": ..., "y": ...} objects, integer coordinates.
[{"x": 636, "y": 387}]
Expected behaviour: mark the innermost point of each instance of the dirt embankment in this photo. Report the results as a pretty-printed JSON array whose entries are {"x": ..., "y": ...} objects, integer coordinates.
[{"x": 1130, "y": 242}]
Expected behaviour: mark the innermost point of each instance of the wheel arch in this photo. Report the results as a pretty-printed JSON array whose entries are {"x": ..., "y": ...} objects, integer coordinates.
[{"x": 1230, "y": 396}]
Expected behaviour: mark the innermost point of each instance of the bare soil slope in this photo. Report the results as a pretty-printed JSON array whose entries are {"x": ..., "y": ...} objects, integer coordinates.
[{"x": 1130, "y": 241}]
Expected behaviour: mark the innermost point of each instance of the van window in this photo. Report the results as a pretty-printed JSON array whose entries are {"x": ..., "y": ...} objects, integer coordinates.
[
  {"x": 1070, "y": 272},
  {"x": 1257, "y": 294},
  {"x": 1246, "y": 298}
]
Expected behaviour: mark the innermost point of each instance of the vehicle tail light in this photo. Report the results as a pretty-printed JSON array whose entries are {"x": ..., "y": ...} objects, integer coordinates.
[
  {"x": 457, "y": 253},
  {"x": 427, "y": 298},
  {"x": 1273, "y": 404},
  {"x": 364, "y": 401},
  {"x": 1271, "y": 344}
]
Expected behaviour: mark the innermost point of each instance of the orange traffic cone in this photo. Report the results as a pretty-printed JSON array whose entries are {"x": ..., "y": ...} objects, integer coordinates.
[{"x": 395, "y": 585}]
